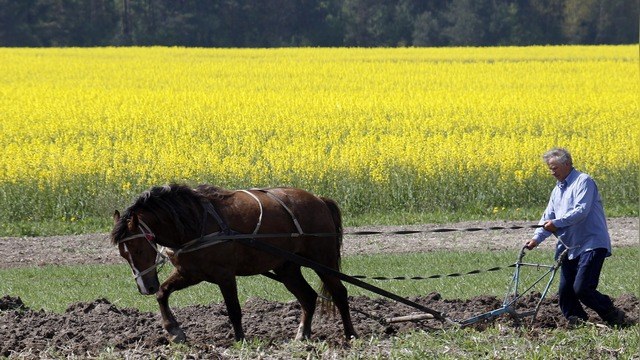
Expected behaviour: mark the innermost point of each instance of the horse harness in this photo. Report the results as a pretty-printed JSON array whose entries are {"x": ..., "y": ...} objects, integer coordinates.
[{"x": 225, "y": 234}]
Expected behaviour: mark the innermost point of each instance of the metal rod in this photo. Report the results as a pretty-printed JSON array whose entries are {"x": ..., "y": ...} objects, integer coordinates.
[{"x": 508, "y": 305}]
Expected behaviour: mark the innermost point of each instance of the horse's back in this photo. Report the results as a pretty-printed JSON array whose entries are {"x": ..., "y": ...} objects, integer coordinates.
[
  {"x": 278, "y": 210},
  {"x": 315, "y": 214}
]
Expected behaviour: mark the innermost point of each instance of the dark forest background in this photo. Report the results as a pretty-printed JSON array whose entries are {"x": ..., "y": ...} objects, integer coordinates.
[{"x": 287, "y": 23}]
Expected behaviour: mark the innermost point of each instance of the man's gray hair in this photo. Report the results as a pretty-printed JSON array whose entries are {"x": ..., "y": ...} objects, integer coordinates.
[{"x": 559, "y": 154}]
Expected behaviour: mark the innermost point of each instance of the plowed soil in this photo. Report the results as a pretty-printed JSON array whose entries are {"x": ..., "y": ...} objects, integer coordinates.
[{"x": 97, "y": 328}]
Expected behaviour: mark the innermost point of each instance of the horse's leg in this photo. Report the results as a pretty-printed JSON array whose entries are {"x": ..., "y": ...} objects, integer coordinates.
[
  {"x": 229, "y": 290},
  {"x": 169, "y": 323},
  {"x": 292, "y": 278},
  {"x": 339, "y": 294}
]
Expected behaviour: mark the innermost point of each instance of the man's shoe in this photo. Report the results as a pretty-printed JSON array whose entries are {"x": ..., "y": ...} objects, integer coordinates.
[
  {"x": 576, "y": 321},
  {"x": 615, "y": 318}
]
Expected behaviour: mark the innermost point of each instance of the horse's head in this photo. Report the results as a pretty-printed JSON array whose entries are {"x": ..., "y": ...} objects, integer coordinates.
[
  {"x": 173, "y": 212},
  {"x": 136, "y": 244}
]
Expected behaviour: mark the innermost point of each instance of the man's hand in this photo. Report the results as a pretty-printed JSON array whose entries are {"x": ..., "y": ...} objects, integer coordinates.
[
  {"x": 531, "y": 244},
  {"x": 548, "y": 225}
]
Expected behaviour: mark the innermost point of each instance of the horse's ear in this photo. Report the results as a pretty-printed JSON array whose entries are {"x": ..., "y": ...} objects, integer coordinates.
[
  {"x": 116, "y": 216},
  {"x": 133, "y": 222}
]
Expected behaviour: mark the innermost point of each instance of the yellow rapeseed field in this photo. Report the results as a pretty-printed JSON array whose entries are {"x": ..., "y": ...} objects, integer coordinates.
[{"x": 84, "y": 130}]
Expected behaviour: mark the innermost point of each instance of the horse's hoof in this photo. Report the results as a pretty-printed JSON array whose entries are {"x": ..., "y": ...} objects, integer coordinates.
[
  {"x": 302, "y": 334},
  {"x": 177, "y": 336},
  {"x": 302, "y": 337}
]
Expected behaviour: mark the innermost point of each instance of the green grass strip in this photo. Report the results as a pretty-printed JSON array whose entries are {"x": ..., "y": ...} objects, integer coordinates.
[{"x": 53, "y": 288}]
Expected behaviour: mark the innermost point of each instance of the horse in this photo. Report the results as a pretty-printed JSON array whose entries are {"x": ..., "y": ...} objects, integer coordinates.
[{"x": 197, "y": 227}]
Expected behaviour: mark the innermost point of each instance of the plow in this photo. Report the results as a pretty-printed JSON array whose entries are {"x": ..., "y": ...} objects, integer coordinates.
[{"x": 515, "y": 292}]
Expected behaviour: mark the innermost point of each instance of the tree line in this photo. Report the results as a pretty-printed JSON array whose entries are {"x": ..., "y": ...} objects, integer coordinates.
[{"x": 288, "y": 23}]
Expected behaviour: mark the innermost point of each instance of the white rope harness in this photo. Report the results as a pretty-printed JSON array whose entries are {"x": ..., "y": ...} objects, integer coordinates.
[{"x": 255, "y": 231}]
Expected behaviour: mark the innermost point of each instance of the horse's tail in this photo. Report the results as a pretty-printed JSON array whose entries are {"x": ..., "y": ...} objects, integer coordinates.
[{"x": 336, "y": 214}]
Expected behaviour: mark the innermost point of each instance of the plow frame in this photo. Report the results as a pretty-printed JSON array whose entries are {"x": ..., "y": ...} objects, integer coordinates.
[{"x": 514, "y": 294}]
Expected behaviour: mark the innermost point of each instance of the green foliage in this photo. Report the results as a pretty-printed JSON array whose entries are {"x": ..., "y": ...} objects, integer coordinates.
[
  {"x": 246, "y": 23},
  {"x": 78, "y": 209}
]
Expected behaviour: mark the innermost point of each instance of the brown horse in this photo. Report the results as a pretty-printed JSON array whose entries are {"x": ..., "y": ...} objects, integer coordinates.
[{"x": 198, "y": 227}]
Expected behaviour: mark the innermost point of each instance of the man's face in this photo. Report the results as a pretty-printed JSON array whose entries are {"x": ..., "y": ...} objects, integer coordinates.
[{"x": 558, "y": 170}]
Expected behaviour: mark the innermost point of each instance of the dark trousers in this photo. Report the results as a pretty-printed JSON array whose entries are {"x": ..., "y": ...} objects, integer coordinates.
[{"x": 578, "y": 282}]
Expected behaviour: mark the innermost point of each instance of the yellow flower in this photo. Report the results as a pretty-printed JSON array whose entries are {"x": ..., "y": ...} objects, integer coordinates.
[{"x": 397, "y": 121}]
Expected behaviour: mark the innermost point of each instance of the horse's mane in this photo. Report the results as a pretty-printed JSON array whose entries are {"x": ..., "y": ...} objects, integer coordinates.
[
  {"x": 213, "y": 192},
  {"x": 180, "y": 202}
]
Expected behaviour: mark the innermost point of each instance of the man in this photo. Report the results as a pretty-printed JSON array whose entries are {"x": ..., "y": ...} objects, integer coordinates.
[{"x": 575, "y": 215}]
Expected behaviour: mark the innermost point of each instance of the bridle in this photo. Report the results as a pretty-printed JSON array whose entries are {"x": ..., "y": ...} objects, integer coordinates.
[
  {"x": 161, "y": 257},
  {"x": 147, "y": 234}
]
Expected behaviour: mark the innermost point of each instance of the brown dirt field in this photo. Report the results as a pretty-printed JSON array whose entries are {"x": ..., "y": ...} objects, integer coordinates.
[{"x": 86, "y": 329}]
